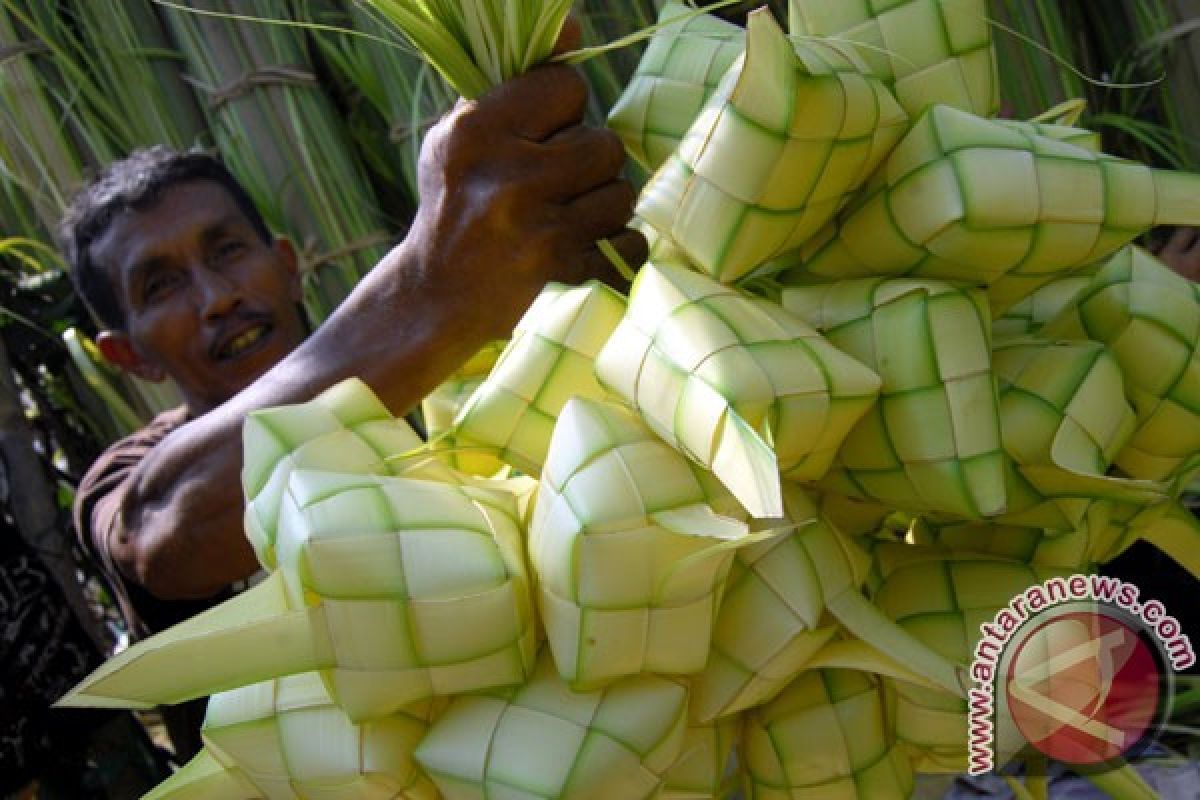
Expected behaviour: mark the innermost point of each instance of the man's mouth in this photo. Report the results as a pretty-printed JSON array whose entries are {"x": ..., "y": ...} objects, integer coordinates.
[{"x": 244, "y": 342}]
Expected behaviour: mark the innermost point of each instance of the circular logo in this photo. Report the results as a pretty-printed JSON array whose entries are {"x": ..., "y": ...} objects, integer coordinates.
[{"x": 1085, "y": 686}]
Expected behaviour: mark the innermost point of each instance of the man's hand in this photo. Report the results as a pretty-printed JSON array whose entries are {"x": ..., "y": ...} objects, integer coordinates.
[
  {"x": 515, "y": 191},
  {"x": 1181, "y": 253}
]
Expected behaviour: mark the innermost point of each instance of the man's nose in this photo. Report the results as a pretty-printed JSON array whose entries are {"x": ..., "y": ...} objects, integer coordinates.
[{"x": 218, "y": 295}]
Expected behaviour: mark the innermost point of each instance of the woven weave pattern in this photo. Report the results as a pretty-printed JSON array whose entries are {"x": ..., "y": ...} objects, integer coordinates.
[
  {"x": 703, "y": 766},
  {"x": 1063, "y": 417},
  {"x": 932, "y": 442},
  {"x": 770, "y": 622},
  {"x": 441, "y": 406},
  {"x": 790, "y": 132},
  {"x": 681, "y": 67},
  {"x": 549, "y": 359},
  {"x": 964, "y": 198},
  {"x": 289, "y": 740},
  {"x": 927, "y": 51},
  {"x": 543, "y": 740},
  {"x": 629, "y": 554},
  {"x": 942, "y": 600},
  {"x": 407, "y": 560},
  {"x": 720, "y": 374},
  {"x": 1149, "y": 318},
  {"x": 826, "y": 735},
  {"x": 344, "y": 429}
]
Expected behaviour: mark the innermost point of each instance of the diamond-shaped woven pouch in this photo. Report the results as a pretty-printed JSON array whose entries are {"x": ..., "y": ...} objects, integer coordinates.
[
  {"x": 1149, "y": 318},
  {"x": 629, "y": 553},
  {"x": 1028, "y": 316},
  {"x": 549, "y": 360},
  {"x": 735, "y": 382},
  {"x": 825, "y": 735},
  {"x": 345, "y": 429},
  {"x": 421, "y": 587},
  {"x": 442, "y": 405},
  {"x": 927, "y": 51},
  {"x": 942, "y": 599},
  {"x": 773, "y": 612},
  {"x": 965, "y": 198},
  {"x": 791, "y": 131},
  {"x": 705, "y": 768},
  {"x": 683, "y": 63},
  {"x": 1063, "y": 417},
  {"x": 544, "y": 740},
  {"x": 932, "y": 441},
  {"x": 288, "y": 740}
]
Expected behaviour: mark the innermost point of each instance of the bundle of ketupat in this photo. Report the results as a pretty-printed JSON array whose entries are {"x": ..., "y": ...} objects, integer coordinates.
[{"x": 763, "y": 509}]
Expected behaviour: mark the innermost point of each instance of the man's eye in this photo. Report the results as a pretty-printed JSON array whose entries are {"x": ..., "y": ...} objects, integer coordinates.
[
  {"x": 229, "y": 249},
  {"x": 159, "y": 285}
]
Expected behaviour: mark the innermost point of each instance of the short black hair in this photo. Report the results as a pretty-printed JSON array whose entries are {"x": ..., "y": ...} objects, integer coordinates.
[{"x": 136, "y": 182}]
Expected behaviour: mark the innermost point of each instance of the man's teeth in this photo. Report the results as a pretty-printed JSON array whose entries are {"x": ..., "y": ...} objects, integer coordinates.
[{"x": 245, "y": 340}]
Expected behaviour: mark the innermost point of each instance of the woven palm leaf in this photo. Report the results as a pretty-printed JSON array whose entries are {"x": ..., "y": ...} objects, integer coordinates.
[
  {"x": 825, "y": 736},
  {"x": 395, "y": 589},
  {"x": 442, "y": 405},
  {"x": 932, "y": 442},
  {"x": 549, "y": 360},
  {"x": 1029, "y": 315},
  {"x": 704, "y": 769},
  {"x": 1149, "y": 318},
  {"x": 680, "y": 69},
  {"x": 735, "y": 382},
  {"x": 344, "y": 429},
  {"x": 965, "y": 198},
  {"x": 286, "y": 739},
  {"x": 928, "y": 51},
  {"x": 1074, "y": 550},
  {"x": 1063, "y": 417},
  {"x": 545, "y": 740},
  {"x": 790, "y": 132},
  {"x": 629, "y": 552},
  {"x": 942, "y": 598}
]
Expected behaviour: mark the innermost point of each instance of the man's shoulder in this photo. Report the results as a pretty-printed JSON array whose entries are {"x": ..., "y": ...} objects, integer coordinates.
[{"x": 110, "y": 470}]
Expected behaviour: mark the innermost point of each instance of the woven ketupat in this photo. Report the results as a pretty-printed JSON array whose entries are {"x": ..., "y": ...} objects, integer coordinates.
[
  {"x": 1029, "y": 315},
  {"x": 927, "y": 51},
  {"x": 396, "y": 566},
  {"x": 548, "y": 361},
  {"x": 942, "y": 599},
  {"x": 825, "y": 736},
  {"x": 790, "y": 132},
  {"x": 932, "y": 442},
  {"x": 704, "y": 769},
  {"x": 1063, "y": 417},
  {"x": 681, "y": 67},
  {"x": 965, "y": 198},
  {"x": 770, "y": 622},
  {"x": 343, "y": 429},
  {"x": 441, "y": 406},
  {"x": 544, "y": 740},
  {"x": 735, "y": 382},
  {"x": 286, "y": 739},
  {"x": 1149, "y": 317},
  {"x": 629, "y": 553}
]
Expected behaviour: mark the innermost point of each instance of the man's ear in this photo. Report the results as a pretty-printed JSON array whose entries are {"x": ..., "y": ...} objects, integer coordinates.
[
  {"x": 118, "y": 350},
  {"x": 287, "y": 253}
]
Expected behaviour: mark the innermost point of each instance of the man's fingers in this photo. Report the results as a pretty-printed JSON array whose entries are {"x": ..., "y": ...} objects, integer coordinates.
[
  {"x": 580, "y": 159},
  {"x": 570, "y": 38},
  {"x": 603, "y": 211},
  {"x": 592, "y": 264},
  {"x": 535, "y": 105}
]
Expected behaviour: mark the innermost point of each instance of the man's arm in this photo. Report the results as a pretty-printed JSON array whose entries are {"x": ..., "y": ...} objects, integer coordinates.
[{"x": 514, "y": 192}]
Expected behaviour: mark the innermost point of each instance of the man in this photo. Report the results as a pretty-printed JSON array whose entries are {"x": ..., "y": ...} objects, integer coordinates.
[{"x": 179, "y": 267}]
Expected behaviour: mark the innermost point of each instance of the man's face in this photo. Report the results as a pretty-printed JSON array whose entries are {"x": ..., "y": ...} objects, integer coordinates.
[{"x": 206, "y": 301}]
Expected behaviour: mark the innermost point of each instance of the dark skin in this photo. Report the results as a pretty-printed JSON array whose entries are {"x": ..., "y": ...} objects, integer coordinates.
[
  {"x": 1181, "y": 252},
  {"x": 514, "y": 192}
]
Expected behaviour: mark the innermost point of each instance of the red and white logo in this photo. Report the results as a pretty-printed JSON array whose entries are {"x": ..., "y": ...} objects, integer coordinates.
[{"x": 1085, "y": 687}]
